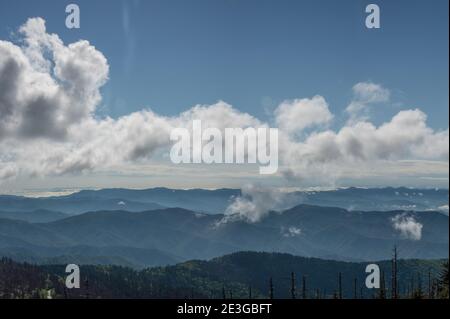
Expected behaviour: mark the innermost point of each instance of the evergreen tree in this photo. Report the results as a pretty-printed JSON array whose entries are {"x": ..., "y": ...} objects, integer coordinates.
[
  {"x": 430, "y": 285},
  {"x": 87, "y": 288},
  {"x": 293, "y": 293},
  {"x": 444, "y": 281},
  {"x": 270, "y": 288},
  {"x": 224, "y": 295},
  {"x": 382, "y": 290},
  {"x": 340, "y": 285},
  {"x": 304, "y": 293},
  {"x": 418, "y": 293},
  {"x": 394, "y": 278}
]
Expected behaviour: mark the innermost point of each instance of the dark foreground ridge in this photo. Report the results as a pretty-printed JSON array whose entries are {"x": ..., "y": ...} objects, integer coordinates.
[{"x": 247, "y": 275}]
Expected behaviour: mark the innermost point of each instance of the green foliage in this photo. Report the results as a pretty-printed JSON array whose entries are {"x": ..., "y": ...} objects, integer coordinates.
[
  {"x": 444, "y": 281},
  {"x": 230, "y": 276}
]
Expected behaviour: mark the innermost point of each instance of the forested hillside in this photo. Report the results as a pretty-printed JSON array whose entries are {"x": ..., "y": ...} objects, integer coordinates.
[
  {"x": 239, "y": 275},
  {"x": 168, "y": 236}
]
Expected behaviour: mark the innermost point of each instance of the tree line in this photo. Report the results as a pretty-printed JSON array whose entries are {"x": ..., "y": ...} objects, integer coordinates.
[{"x": 199, "y": 279}]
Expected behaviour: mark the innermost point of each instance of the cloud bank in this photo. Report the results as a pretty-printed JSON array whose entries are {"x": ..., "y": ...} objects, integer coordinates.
[{"x": 49, "y": 92}]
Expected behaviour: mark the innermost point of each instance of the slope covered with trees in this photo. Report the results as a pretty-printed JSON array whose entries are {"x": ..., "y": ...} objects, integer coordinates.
[
  {"x": 175, "y": 234},
  {"x": 239, "y": 275}
]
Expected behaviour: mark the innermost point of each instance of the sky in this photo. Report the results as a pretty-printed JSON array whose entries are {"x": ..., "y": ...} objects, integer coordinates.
[{"x": 253, "y": 57}]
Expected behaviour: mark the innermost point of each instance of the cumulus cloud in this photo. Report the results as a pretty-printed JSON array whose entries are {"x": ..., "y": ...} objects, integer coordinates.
[
  {"x": 46, "y": 87},
  {"x": 48, "y": 95},
  {"x": 364, "y": 95},
  {"x": 219, "y": 115},
  {"x": 408, "y": 227},
  {"x": 296, "y": 115},
  {"x": 405, "y": 136},
  {"x": 49, "y": 92}
]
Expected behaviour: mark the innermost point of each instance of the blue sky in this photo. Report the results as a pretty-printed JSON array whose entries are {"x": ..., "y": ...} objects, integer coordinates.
[
  {"x": 253, "y": 54},
  {"x": 169, "y": 55}
]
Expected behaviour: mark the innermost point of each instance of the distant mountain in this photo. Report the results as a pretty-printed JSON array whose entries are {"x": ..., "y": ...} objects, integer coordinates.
[
  {"x": 239, "y": 275},
  {"x": 180, "y": 234},
  {"x": 216, "y": 201},
  {"x": 85, "y": 255},
  {"x": 200, "y": 200},
  {"x": 380, "y": 199},
  {"x": 36, "y": 216},
  {"x": 72, "y": 204}
]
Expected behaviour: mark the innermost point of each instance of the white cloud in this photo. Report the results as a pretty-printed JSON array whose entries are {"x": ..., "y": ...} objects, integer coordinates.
[
  {"x": 291, "y": 232},
  {"x": 8, "y": 171},
  {"x": 49, "y": 92},
  {"x": 444, "y": 209},
  {"x": 256, "y": 202},
  {"x": 48, "y": 95},
  {"x": 405, "y": 136},
  {"x": 408, "y": 227},
  {"x": 369, "y": 92},
  {"x": 296, "y": 115},
  {"x": 47, "y": 87},
  {"x": 364, "y": 95}
]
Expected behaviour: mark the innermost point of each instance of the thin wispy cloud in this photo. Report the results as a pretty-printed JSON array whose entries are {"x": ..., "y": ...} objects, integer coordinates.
[{"x": 365, "y": 95}]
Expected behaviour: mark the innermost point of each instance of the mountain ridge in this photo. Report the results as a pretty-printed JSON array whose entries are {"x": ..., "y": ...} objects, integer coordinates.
[
  {"x": 222, "y": 277},
  {"x": 217, "y": 201},
  {"x": 310, "y": 231}
]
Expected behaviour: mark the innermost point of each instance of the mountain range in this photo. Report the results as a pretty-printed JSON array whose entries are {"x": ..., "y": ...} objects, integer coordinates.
[
  {"x": 216, "y": 201},
  {"x": 170, "y": 235}
]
